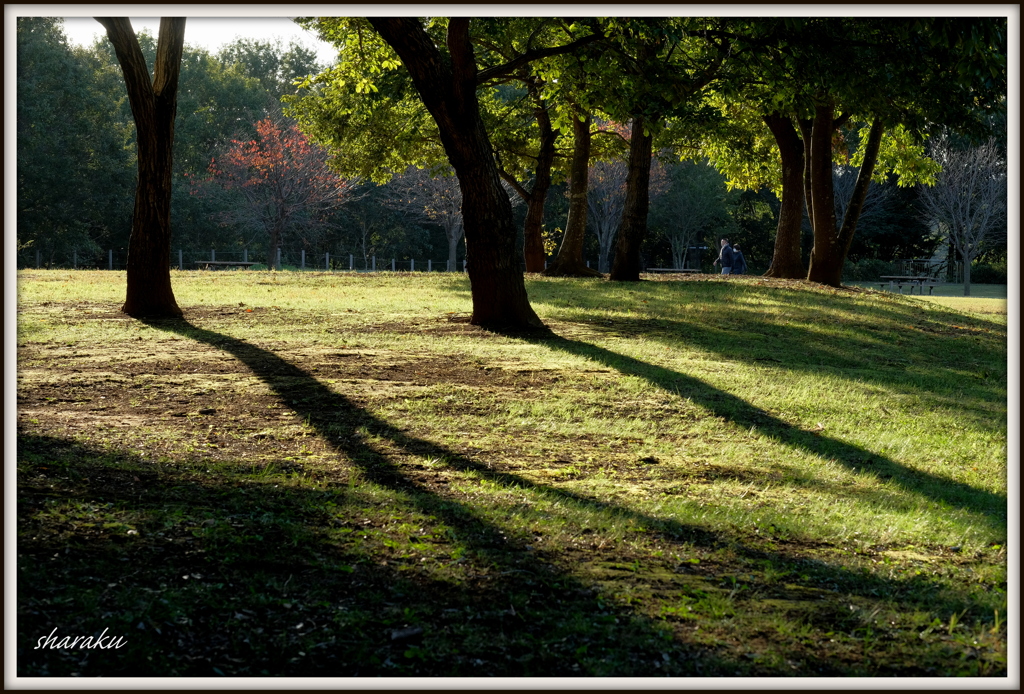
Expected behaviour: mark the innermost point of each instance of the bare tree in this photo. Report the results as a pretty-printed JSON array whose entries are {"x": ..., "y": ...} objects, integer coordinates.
[
  {"x": 436, "y": 199},
  {"x": 968, "y": 201},
  {"x": 844, "y": 182},
  {"x": 606, "y": 195}
]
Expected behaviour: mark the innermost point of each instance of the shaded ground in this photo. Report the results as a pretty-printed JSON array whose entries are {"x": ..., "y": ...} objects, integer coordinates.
[{"x": 244, "y": 508}]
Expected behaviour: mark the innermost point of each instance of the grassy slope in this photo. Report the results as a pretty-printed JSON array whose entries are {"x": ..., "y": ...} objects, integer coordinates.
[{"x": 685, "y": 477}]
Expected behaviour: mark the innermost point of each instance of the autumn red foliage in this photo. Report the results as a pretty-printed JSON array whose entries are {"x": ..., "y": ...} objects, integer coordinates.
[{"x": 285, "y": 182}]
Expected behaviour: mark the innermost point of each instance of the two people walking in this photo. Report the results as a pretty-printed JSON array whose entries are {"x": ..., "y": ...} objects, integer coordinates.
[{"x": 731, "y": 259}]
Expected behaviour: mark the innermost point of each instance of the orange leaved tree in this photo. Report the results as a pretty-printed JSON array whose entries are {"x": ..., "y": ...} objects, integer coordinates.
[{"x": 284, "y": 182}]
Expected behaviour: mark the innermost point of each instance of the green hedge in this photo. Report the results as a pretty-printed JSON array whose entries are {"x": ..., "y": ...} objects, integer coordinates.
[
  {"x": 867, "y": 270},
  {"x": 988, "y": 273}
]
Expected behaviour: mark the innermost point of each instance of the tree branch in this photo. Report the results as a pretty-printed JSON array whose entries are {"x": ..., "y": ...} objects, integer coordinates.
[{"x": 536, "y": 54}]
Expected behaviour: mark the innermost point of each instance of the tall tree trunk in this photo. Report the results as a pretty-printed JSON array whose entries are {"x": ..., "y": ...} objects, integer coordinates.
[
  {"x": 626, "y": 267},
  {"x": 832, "y": 245},
  {"x": 533, "y": 230},
  {"x": 569, "y": 261},
  {"x": 454, "y": 236},
  {"x": 273, "y": 244},
  {"x": 154, "y": 105},
  {"x": 448, "y": 90},
  {"x": 822, "y": 200},
  {"x": 786, "y": 261}
]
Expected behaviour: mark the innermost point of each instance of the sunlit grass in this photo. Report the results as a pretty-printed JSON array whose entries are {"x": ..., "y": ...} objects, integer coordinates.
[{"x": 780, "y": 416}]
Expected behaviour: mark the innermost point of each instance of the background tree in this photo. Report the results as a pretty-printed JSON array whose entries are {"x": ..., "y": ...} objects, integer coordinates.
[
  {"x": 273, "y": 65},
  {"x": 74, "y": 167},
  {"x": 569, "y": 261},
  {"x": 692, "y": 201},
  {"x": 285, "y": 182},
  {"x": 154, "y": 105},
  {"x": 968, "y": 202},
  {"x": 606, "y": 198},
  {"x": 435, "y": 199}
]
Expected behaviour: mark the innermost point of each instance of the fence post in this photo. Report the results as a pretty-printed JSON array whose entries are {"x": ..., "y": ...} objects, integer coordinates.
[
  {"x": 351, "y": 261},
  {"x": 181, "y": 264},
  {"x": 327, "y": 262},
  {"x": 464, "y": 263},
  {"x": 110, "y": 259},
  {"x": 74, "y": 259},
  {"x": 392, "y": 265},
  {"x": 588, "y": 263},
  {"x": 279, "y": 259},
  {"x": 428, "y": 264},
  {"x": 373, "y": 263},
  {"x": 213, "y": 255},
  {"x": 245, "y": 255},
  {"x": 37, "y": 259},
  {"x": 303, "y": 266},
  {"x": 412, "y": 265}
]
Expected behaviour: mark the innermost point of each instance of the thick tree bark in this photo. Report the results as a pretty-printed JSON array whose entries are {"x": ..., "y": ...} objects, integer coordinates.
[
  {"x": 830, "y": 244},
  {"x": 626, "y": 266},
  {"x": 822, "y": 200},
  {"x": 154, "y": 105},
  {"x": 569, "y": 261},
  {"x": 448, "y": 90},
  {"x": 786, "y": 261}
]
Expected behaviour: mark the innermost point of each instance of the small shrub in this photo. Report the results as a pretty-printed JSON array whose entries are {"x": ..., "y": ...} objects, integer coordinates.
[
  {"x": 988, "y": 273},
  {"x": 867, "y": 270}
]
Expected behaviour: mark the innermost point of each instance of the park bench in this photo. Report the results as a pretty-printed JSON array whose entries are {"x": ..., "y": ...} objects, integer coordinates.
[
  {"x": 919, "y": 281},
  {"x": 670, "y": 269},
  {"x": 214, "y": 264}
]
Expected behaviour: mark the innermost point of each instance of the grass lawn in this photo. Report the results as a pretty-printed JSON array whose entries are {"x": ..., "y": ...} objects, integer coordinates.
[{"x": 336, "y": 475}]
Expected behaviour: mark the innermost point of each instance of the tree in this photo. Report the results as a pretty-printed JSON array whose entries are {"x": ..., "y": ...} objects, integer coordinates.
[
  {"x": 663, "y": 68},
  {"x": 541, "y": 165},
  {"x": 154, "y": 106},
  {"x": 375, "y": 116},
  {"x": 435, "y": 199},
  {"x": 447, "y": 84},
  {"x": 284, "y": 180},
  {"x": 691, "y": 202},
  {"x": 273, "y": 65},
  {"x": 968, "y": 202},
  {"x": 819, "y": 77},
  {"x": 74, "y": 175},
  {"x": 569, "y": 261},
  {"x": 606, "y": 197}
]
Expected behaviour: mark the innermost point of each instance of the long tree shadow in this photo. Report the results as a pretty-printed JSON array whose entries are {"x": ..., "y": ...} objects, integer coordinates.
[
  {"x": 353, "y": 432},
  {"x": 989, "y": 506},
  {"x": 338, "y": 419},
  {"x": 878, "y": 344},
  {"x": 248, "y": 585}
]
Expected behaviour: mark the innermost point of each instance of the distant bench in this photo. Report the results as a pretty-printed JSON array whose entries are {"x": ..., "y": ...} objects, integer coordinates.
[
  {"x": 911, "y": 281},
  {"x": 670, "y": 269},
  {"x": 214, "y": 264}
]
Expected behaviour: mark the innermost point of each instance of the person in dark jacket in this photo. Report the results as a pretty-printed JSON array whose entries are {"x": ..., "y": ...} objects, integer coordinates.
[
  {"x": 739, "y": 263},
  {"x": 725, "y": 257}
]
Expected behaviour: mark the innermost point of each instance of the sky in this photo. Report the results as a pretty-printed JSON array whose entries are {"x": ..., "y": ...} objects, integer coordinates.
[{"x": 211, "y": 32}]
